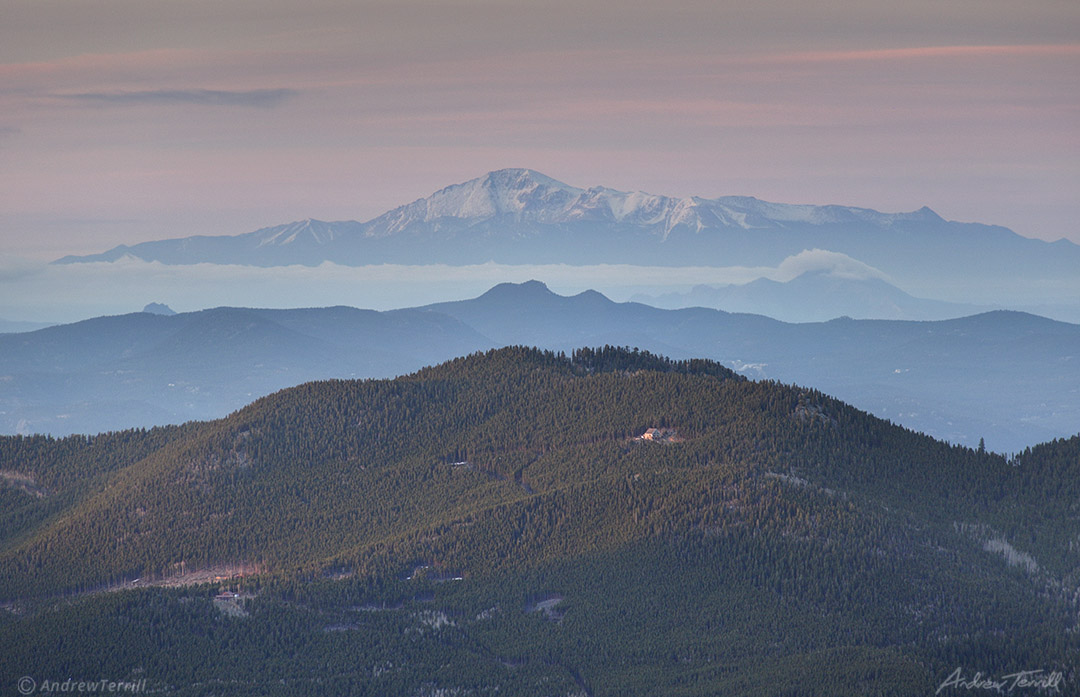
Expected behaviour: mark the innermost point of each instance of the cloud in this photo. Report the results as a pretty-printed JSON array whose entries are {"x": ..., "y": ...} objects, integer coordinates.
[
  {"x": 261, "y": 98},
  {"x": 75, "y": 291},
  {"x": 16, "y": 269},
  {"x": 834, "y": 264},
  {"x": 919, "y": 52}
]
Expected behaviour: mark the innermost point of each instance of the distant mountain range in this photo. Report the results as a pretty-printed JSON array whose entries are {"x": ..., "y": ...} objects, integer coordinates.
[
  {"x": 1008, "y": 377},
  {"x": 11, "y": 326},
  {"x": 518, "y": 216},
  {"x": 815, "y": 296},
  {"x": 145, "y": 369}
]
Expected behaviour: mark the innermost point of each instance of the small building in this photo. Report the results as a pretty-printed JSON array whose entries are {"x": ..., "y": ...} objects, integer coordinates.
[{"x": 658, "y": 435}]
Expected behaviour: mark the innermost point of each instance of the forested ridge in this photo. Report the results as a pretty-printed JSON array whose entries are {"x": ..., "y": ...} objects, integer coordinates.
[{"x": 497, "y": 523}]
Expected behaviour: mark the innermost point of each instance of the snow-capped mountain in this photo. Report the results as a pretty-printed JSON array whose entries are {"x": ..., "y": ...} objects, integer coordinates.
[
  {"x": 526, "y": 196},
  {"x": 519, "y": 216},
  {"x": 304, "y": 231},
  {"x": 518, "y": 194}
]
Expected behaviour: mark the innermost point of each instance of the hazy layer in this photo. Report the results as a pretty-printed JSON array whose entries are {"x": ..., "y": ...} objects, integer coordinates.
[{"x": 31, "y": 291}]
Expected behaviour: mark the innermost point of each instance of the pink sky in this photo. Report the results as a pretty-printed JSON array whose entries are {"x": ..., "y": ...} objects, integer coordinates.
[{"x": 123, "y": 121}]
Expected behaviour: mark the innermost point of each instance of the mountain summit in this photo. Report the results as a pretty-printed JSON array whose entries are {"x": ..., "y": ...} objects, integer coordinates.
[
  {"x": 527, "y": 196},
  {"x": 518, "y": 194}
]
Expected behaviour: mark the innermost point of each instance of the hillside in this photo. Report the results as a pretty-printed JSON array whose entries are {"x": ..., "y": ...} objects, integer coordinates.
[
  {"x": 145, "y": 370},
  {"x": 1005, "y": 377},
  {"x": 495, "y": 523}
]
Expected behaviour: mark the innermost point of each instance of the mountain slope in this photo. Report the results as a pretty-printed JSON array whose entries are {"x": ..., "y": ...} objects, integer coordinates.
[
  {"x": 143, "y": 369},
  {"x": 518, "y": 216},
  {"x": 493, "y": 524},
  {"x": 1005, "y": 377},
  {"x": 995, "y": 375}
]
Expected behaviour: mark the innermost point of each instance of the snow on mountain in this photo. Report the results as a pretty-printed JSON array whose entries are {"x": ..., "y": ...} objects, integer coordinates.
[
  {"x": 520, "y": 216},
  {"x": 758, "y": 213},
  {"x": 310, "y": 230},
  {"x": 524, "y": 195},
  {"x": 520, "y": 194}
]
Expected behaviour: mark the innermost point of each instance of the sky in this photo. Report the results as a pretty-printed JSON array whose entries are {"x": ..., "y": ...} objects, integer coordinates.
[{"x": 125, "y": 120}]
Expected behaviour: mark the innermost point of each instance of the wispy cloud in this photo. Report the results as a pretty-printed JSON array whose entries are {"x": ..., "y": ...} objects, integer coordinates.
[
  {"x": 262, "y": 98},
  {"x": 68, "y": 292},
  {"x": 919, "y": 52},
  {"x": 76, "y": 291}
]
